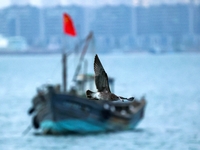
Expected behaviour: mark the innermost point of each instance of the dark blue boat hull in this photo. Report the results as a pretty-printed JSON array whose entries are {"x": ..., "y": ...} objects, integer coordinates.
[{"x": 70, "y": 113}]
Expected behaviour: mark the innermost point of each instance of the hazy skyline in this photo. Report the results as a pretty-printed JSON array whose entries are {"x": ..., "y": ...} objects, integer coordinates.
[{"x": 43, "y": 3}]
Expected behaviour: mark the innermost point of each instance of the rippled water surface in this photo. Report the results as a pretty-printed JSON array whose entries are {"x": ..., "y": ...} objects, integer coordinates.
[{"x": 170, "y": 82}]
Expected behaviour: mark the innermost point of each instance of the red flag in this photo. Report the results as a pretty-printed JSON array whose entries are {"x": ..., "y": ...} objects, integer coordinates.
[{"x": 68, "y": 26}]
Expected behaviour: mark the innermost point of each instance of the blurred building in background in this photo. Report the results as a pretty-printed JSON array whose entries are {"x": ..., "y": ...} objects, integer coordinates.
[{"x": 154, "y": 28}]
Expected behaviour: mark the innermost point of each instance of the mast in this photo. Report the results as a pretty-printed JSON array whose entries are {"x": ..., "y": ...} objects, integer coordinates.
[
  {"x": 64, "y": 70},
  {"x": 68, "y": 28}
]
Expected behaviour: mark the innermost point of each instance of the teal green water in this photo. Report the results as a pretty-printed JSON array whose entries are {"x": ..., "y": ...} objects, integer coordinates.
[{"x": 170, "y": 82}]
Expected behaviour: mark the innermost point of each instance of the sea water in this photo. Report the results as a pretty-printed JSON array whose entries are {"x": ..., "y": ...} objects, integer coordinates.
[{"x": 170, "y": 83}]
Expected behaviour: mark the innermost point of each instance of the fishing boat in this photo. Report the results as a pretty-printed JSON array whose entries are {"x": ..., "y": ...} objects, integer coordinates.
[{"x": 56, "y": 110}]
